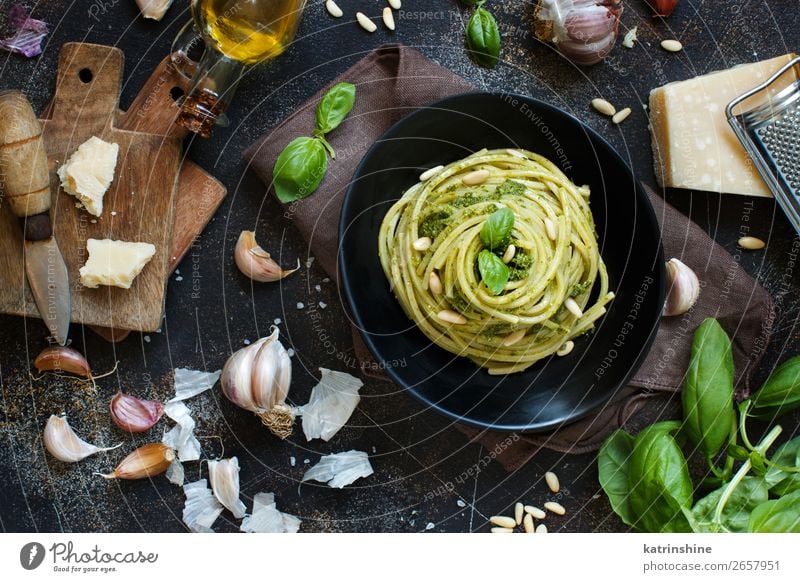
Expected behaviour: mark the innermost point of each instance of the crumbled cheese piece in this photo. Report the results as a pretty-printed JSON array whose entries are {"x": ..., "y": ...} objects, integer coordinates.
[
  {"x": 114, "y": 263},
  {"x": 89, "y": 171}
]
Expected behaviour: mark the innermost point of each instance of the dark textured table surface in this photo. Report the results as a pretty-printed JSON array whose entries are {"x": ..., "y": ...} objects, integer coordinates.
[{"x": 427, "y": 476}]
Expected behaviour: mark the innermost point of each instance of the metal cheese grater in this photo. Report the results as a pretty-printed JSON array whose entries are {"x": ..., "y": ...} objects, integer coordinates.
[{"x": 770, "y": 133}]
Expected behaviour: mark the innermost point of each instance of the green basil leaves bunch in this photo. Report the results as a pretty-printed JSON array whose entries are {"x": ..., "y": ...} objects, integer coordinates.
[
  {"x": 482, "y": 35},
  {"x": 302, "y": 164},
  {"x": 495, "y": 236}
]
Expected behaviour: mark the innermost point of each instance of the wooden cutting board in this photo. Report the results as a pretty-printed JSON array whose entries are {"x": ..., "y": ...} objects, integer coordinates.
[{"x": 149, "y": 169}]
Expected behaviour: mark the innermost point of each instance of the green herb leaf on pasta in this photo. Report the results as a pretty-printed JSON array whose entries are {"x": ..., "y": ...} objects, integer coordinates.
[
  {"x": 483, "y": 38},
  {"x": 299, "y": 169},
  {"x": 335, "y": 106},
  {"x": 494, "y": 272},
  {"x": 496, "y": 231}
]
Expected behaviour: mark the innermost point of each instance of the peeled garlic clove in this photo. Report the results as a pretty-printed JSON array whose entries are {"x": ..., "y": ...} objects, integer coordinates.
[
  {"x": 153, "y": 9},
  {"x": 224, "y": 478},
  {"x": 62, "y": 359},
  {"x": 257, "y": 263},
  {"x": 147, "y": 461},
  {"x": 62, "y": 442},
  {"x": 683, "y": 288},
  {"x": 134, "y": 414}
]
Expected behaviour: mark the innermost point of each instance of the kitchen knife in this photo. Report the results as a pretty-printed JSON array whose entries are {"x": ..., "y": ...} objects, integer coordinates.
[{"x": 25, "y": 181}]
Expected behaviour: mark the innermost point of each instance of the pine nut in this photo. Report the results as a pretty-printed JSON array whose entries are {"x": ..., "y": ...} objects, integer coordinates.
[
  {"x": 428, "y": 174},
  {"x": 422, "y": 244},
  {"x": 451, "y": 317},
  {"x": 388, "y": 18},
  {"x": 564, "y": 350},
  {"x": 671, "y": 45},
  {"x": 396, "y": 4},
  {"x": 552, "y": 481},
  {"x": 513, "y": 338},
  {"x": 333, "y": 9},
  {"x": 365, "y": 22},
  {"x": 751, "y": 243},
  {"x": 541, "y": 528},
  {"x": 621, "y": 116},
  {"x": 603, "y": 107},
  {"x": 502, "y": 530},
  {"x": 518, "y": 511},
  {"x": 511, "y": 250},
  {"x": 516, "y": 154},
  {"x": 502, "y": 521},
  {"x": 527, "y": 523},
  {"x": 475, "y": 178},
  {"x": 535, "y": 512},
  {"x": 551, "y": 229},
  {"x": 555, "y": 507},
  {"x": 573, "y": 307},
  {"x": 435, "y": 283}
]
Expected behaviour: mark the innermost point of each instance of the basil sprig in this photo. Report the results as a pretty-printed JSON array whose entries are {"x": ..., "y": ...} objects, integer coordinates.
[
  {"x": 302, "y": 164},
  {"x": 496, "y": 231},
  {"x": 494, "y": 272},
  {"x": 483, "y": 38}
]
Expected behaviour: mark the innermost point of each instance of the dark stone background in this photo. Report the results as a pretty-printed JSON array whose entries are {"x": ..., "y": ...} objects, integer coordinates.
[{"x": 425, "y": 470}]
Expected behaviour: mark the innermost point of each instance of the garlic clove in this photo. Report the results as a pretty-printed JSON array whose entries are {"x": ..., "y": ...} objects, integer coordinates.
[
  {"x": 147, "y": 461},
  {"x": 153, "y": 9},
  {"x": 62, "y": 359},
  {"x": 134, "y": 414},
  {"x": 237, "y": 375},
  {"x": 584, "y": 31},
  {"x": 255, "y": 262},
  {"x": 271, "y": 373},
  {"x": 224, "y": 478},
  {"x": 589, "y": 25},
  {"x": 62, "y": 442},
  {"x": 683, "y": 288}
]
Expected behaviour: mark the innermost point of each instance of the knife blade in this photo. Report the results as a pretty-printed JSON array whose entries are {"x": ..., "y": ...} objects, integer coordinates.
[{"x": 26, "y": 187}]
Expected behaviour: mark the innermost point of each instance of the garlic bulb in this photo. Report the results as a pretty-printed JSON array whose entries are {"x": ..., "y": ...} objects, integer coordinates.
[
  {"x": 257, "y": 263},
  {"x": 147, "y": 461},
  {"x": 62, "y": 442},
  {"x": 62, "y": 359},
  {"x": 224, "y": 478},
  {"x": 257, "y": 379},
  {"x": 683, "y": 288},
  {"x": 584, "y": 31}
]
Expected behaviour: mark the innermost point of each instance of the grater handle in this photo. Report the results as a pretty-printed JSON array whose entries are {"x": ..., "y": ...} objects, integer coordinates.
[{"x": 759, "y": 88}]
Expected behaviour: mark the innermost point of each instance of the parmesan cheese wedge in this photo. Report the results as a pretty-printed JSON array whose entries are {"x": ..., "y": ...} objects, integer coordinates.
[
  {"x": 89, "y": 172},
  {"x": 114, "y": 262},
  {"x": 694, "y": 147}
]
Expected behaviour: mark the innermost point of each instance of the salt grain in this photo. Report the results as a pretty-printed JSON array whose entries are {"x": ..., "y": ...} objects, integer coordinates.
[{"x": 300, "y": 305}]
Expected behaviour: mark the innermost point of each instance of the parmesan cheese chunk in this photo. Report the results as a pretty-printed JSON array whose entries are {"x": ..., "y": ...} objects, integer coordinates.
[
  {"x": 694, "y": 147},
  {"x": 114, "y": 262},
  {"x": 89, "y": 171}
]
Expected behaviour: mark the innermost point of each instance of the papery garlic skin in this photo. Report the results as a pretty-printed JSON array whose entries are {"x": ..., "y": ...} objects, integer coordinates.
[
  {"x": 683, "y": 288},
  {"x": 255, "y": 262},
  {"x": 134, "y": 414},
  {"x": 146, "y": 461},
  {"x": 62, "y": 442},
  {"x": 224, "y": 478},
  {"x": 584, "y": 31}
]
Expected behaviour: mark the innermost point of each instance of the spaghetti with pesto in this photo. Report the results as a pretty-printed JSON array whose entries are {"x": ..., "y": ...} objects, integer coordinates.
[{"x": 495, "y": 257}]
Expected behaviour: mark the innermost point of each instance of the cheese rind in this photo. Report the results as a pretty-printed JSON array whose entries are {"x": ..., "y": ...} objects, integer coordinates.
[
  {"x": 694, "y": 147},
  {"x": 89, "y": 172},
  {"x": 114, "y": 262}
]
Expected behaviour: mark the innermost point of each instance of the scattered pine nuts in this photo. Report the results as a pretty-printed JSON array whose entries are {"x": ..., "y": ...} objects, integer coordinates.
[
  {"x": 555, "y": 507},
  {"x": 671, "y": 45},
  {"x": 518, "y": 511},
  {"x": 365, "y": 22},
  {"x": 396, "y": 4},
  {"x": 422, "y": 244},
  {"x": 428, "y": 174},
  {"x": 751, "y": 243},
  {"x": 565, "y": 350},
  {"x": 451, "y": 317},
  {"x": 535, "y": 512},
  {"x": 502, "y": 521},
  {"x": 475, "y": 178},
  {"x": 603, "y": 107},
  {"x": 388, "y": 18},
  {"x": 552, "y": 481},
  {"x": 621, "y": 115},
  {"x": 513, "y": 337},
  {"x": 333, "y": 9},
  {"x": 511, "y": 250},
  {"x": 541, "y": 528},
  {"x": 435, "y": 283},
  {"x": 527, "y": 523},
  {"x": 551, "y": 229},
  {"x": 502, "y": 530},
  {"x": 573, "y": 307}
]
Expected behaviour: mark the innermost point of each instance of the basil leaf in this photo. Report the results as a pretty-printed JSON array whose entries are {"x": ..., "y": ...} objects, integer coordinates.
[
  {"x": 299, "y": 169},
  {"x": 612, "y": 466},
  {"x": 496, "y": 231},
  {"x": 751, "y": 492},
  {"x": 483, "y": 38},
  {"x": 707, "y": 395},
  {"x": 494, "y": 272},
  {"x": 780, "y": 393},
  {"x": 777, "y": 516},
  {"x": 335, "y": 106},
  {"x": 788, "y": 455}
]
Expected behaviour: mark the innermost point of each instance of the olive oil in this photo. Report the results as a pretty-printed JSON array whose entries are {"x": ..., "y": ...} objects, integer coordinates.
[{"x": 248, "y": 31}]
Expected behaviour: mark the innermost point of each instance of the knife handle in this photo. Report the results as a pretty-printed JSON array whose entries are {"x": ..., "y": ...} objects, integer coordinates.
[{"x": 24, "y": 174}]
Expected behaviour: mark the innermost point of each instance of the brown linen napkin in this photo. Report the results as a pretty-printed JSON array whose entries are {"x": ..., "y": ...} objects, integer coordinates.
[{"x": 394, "y": 80}]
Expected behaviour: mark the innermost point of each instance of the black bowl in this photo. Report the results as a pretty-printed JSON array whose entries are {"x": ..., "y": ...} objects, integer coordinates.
[{"x": 556, "y": 390}]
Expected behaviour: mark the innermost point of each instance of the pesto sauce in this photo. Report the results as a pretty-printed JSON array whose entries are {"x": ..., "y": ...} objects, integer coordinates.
[
  {"x": 435, "y": 223},
  {"x": 520, "y": 266}
]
